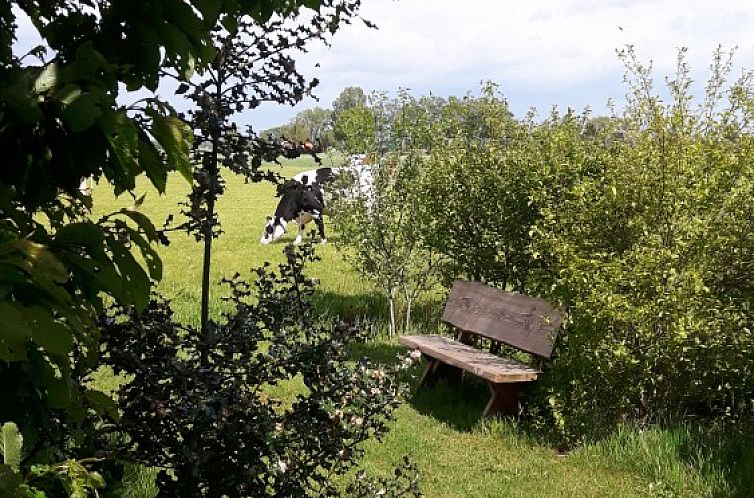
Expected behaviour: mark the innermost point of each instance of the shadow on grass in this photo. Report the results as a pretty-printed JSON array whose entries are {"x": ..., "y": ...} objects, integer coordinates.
[
  {"x": 459, "y": 406},
  {"x": 378, "y": 351}
]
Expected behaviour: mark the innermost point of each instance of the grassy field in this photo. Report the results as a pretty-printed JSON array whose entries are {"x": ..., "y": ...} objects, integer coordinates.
[{"x": 458, "y": 454}]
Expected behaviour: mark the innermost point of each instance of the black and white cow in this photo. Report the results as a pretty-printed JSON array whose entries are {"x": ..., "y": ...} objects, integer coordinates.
[
  {"x": 301, "y": 201},
  {"x": 319, "y": 176}
]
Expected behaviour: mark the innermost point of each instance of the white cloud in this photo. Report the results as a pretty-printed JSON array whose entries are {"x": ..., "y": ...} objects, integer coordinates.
[
  {"x": 542, "y": 52},
  {"x": 545, "y": 46}
]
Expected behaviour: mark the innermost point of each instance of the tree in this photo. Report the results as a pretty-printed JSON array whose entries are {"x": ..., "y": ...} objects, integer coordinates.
[
  {"x": 206, "y": 412},
  {"x": 200, "y": 405},
  {"x": 252, "y": 64},
  {"x": 313, "y": 124},
  {"x": 350, "y": 97},
  {"x": 59, "y": 122},
  {"x": 356, "y": 130},
  {"x": 385, "y": 243},
  {"x": 479, "y": 214},
  {"x": 315, "y": 121}
]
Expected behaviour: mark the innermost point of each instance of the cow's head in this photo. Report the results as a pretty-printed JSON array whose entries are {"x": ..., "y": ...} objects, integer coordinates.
[{"x": 273, "y": 230}]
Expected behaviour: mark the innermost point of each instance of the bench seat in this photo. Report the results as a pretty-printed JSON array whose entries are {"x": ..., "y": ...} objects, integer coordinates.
[{"x": 480, "y": 363}]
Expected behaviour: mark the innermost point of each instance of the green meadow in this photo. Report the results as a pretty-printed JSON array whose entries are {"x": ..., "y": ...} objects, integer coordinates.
[{"x": 459, "y": 454}]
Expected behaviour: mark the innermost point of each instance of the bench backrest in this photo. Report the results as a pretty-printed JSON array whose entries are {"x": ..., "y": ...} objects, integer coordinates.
[{"x": 526, "y": 323}]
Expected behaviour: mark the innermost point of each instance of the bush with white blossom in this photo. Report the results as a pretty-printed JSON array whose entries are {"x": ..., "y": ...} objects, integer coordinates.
[{"x": 217, "y": 428}]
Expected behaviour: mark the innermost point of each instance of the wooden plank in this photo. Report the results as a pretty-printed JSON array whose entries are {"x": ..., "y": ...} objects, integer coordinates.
[
  {"x": 527, "y": 323},
  {"x": 480, "y": 363}
]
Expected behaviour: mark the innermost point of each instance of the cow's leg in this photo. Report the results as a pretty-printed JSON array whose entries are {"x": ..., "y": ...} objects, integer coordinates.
[
  {"x": 321, "y": 227},
  {"x": 300, "y": 234},
  {"x": 302, "y": 219}
]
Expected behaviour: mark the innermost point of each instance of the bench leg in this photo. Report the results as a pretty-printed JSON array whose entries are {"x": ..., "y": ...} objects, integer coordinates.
[
  {"x": 504, "y": 399},
  {"x": 437, "y": 370},
  {"x": 427, "y": 378}
]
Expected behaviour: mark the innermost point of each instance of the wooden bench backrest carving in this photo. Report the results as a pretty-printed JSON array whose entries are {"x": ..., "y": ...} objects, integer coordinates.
[{"x": 526, "y": 323}]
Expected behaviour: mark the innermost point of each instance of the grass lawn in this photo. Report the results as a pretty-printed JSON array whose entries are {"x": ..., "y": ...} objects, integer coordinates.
[{"x": 459, "y": 454}]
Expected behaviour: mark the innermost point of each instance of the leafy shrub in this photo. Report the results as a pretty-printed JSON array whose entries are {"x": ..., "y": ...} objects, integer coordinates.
[
  {"x": 205, "y": 412},
  {"x": 71, "y": 477},
  {"x": 56, "y": 276},
  {"x": 653, "y": 258},
  {"x": 382, "y": 225},
  {"x": 404, "y": 481},
  {"x": 480, "y": 184}
]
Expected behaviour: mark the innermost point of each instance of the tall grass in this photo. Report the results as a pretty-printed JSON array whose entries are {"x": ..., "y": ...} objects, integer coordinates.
[{"x": 684, "y": 460}]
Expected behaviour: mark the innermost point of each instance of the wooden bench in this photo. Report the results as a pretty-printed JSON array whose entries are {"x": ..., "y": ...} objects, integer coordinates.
[{"x": 477, "y": 311}]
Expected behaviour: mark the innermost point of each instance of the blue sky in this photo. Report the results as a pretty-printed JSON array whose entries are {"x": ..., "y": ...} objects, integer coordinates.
[{"x": 541, "y": 52}]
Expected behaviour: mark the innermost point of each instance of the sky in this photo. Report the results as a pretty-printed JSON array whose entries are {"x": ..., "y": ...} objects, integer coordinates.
[{"x": 541, "y": 53}]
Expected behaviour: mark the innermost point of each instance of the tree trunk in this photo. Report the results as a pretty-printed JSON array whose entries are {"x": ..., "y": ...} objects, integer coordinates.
[
  {"x": 207, "y": 259},
  {"x": 391, "y": 306},
  {"x": 409, "y": 301},
  {"x": 212, "y": 178}
]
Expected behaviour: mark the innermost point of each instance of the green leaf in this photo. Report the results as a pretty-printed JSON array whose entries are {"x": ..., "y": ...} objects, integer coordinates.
[
  {"x": 103, "y": 275},
  {"x": 68, "y": 94},
  {"x": 142, "y": 221},
  {"x": 149, "y": 160},
  {"x": 7, "y": 241},
  {"x": 43, "y": 261},
  {"x": 89, "y": 64},
  {"x": 102, "y": 404},
  {"x": 14, "y": 93},
  {"x": 174, "y": 136},
  {"x": 11, "y": 442},
  {"x": 176, "y": 42},
  {"x": 136, "y": 282},
  {"x": 13, "y": 324},
  {"x": 56, "y": 381},
  {"x": 230, "y": 23},
  {"x": 11, "y": 482},
  {"x": 210, "y": 10},
  {"x": 53, "y": 336},
  {"x": 47, "y": 79},
  {"x": 183, "y": 16},
  {"x": 24, "y": 274},
  {"x": 189, "y": 67},
  {"x": 86, "y": 234},
  {"x": 138, "y": 202},
  {"x": 14, "y": 331},
  {"x": 123, "y": 141},
  {"x": 83, "y": 112},
  {"x": 154, "y": 263},
  {"x": 147, "y": 55}
]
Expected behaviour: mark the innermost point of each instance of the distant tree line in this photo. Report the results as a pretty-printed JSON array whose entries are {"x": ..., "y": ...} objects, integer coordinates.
[{"x": 332, "y": 127}]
